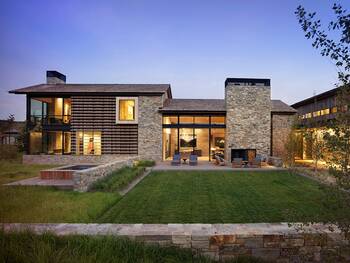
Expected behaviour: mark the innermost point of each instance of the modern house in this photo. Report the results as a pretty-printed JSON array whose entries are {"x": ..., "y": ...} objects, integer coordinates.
[
  {"x": 69, "y": 123},
  {"x": 315, "y": 113}
]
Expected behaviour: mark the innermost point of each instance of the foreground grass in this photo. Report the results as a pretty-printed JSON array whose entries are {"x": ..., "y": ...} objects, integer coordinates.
[
  {"x": 11, "y": 171},
  {"x": 30, "y": 248},
  {"x": 117, "y": 180},
  {"x": 37, "y": 204},
  {"x": 220, "y": 197}
]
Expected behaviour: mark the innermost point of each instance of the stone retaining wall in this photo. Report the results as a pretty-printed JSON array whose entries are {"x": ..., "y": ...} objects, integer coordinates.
[
  {"x": 274, "y": 242},
  {"x": 84, "y": 178}
]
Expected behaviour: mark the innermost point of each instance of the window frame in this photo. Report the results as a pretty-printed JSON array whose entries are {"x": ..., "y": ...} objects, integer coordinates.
[{"x": 136, "y": 112}]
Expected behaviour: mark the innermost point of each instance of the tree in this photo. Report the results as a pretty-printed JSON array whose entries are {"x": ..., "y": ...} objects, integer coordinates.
[{"x": 333, "y": 43}]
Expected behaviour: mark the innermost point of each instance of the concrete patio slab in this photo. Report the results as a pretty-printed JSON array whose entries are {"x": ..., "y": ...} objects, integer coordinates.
[
  {"x": 36, "y": 181},
  {"x": 208, "y": 166}
]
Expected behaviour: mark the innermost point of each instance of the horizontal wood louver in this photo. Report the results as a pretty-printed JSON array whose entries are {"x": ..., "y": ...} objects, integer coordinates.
[{"x": 98, "y": 113}]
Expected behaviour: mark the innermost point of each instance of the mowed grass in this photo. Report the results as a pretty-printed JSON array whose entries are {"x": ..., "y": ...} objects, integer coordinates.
[
  {"x": 30, "y": 204},
  {"x": 220, "y": 197},
  {"x": 37, "y": 204},
  {"x": 11, "y": 171}
]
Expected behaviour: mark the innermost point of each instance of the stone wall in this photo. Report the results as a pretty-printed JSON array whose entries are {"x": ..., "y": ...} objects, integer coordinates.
[
  {"x": 83, "y": 179},
  {"x": 248, "y": 118},
  {"x": 74, "y": 159},
  {"x": 150, "y": 128},
  {"x": 281, "y": 127},
  {"x": 273, "y": 242}
]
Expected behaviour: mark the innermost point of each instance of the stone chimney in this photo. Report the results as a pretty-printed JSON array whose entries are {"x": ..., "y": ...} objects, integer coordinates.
[
  {"x": 248, "y": 115},
  {"x": 55, "y": 77}
]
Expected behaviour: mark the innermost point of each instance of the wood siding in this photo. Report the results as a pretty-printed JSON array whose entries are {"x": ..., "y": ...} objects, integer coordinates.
[{"x": 98, "y": 113}]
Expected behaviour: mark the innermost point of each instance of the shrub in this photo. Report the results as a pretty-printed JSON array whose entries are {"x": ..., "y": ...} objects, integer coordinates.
[
  {"x": 145, "y": 163},
  {"x": 118, "y": 179}
]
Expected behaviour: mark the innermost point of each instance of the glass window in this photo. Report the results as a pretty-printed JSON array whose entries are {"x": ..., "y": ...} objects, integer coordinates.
[
  {"x": 334, "y": 109},
  {"x": 186, "y": 119},
  {"x": 169, "y": 119},
  {"x": 201, "y": 119},
  {"x": 35, "y": 107},
  {"x": 325, "y": 112},
  {"x": 89, "y": 143},
  {"x": 217, "y": 142},
  {"x": 53, "y": 142},
  {"x": 202, "y": 145},
  {"x": 66, "y": 110},
  {"x": 217, "y": 119},
  {"x": 170, "y": 142},
  {"x": 67, "y": 143},
  {"x": 126, "y": 110},
  {"x": 35, "y": 142}
]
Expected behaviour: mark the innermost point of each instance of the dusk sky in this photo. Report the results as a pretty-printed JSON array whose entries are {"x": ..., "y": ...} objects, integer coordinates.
[{"x": 193, "y": 45}]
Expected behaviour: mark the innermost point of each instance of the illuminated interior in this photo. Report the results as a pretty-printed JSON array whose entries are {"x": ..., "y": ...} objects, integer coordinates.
[
  {"x": 202, "y": 135},
  {"x": 126, "y": 110},
  {"x": 89, "y": 143}
]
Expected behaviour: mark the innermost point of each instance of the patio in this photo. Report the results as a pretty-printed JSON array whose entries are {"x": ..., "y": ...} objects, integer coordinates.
[{"x": 208, "y": 166}]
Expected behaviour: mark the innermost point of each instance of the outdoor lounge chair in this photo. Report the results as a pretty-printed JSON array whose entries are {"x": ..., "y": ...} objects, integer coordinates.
[
  {"x": 237, "y": 163},
  {"x": 219, "y": 161},
  {"x": 176, "y": 159},
  {"x": 193, "y": 159}
]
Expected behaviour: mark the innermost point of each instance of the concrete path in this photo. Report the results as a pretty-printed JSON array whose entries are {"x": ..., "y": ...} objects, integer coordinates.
[
  {"x": 36, "y": 181},
  {"x": 135, "y": 182}
]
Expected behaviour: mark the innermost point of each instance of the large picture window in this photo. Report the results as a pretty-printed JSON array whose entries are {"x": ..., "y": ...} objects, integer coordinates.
[
  {"x": 89, "y": 143},
  {"x": 127, "y": 110}
]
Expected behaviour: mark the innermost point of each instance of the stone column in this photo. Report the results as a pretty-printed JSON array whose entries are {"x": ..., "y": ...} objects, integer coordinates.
[{"x": 248, "y": 115}]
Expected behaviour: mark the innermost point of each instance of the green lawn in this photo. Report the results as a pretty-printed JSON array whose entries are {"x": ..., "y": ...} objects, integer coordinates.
[
  {"x": 167, "y": 197},
  {"x": 28, "y": 204},
  {"x": 220, "y": 197},
  {"x": 11, "y": 171}
]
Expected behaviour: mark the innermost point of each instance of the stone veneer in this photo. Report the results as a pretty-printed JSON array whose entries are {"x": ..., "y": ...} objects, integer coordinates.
[
  {"x": 275, "y": 242},
  {"x": 150, "y": 128},
  {"x": 281, "y": 127},
  {"x": 248, "y": 118}
]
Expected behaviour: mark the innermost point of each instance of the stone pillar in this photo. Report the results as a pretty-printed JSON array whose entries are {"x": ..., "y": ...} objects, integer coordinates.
[
  {"x": 248, "y": 115},
  {"x": 150, "y": 128}
]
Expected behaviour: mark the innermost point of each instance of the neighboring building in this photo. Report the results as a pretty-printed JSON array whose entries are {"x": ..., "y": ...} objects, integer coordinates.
[
  {"x": 315, "y": 113},
  {"x": 10, "y": 135},
  {"x": 98, "y": 122}
]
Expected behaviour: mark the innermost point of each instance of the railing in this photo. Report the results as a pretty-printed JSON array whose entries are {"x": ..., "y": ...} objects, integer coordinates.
[{"x": 50, "y": 120}]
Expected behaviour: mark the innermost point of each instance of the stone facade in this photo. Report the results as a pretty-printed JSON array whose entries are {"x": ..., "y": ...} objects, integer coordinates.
[
  {"x": 281, "y": 127},
  {"x": 273, "y": 242},
  {"x": 150, "y": 128},
  {"x": 248, "y": 118}
]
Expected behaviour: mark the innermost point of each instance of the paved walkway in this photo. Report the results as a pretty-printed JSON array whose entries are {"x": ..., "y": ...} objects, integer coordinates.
[
  {"x": 36, "y": 181},
  {"x": 208, "y": 166}
]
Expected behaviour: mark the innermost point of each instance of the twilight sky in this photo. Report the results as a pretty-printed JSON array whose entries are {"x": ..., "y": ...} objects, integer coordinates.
[{"x": 193, "y": 45}]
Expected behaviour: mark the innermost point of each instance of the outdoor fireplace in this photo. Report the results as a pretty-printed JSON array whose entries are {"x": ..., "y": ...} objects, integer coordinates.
[{"x": 245, "y": 154}]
